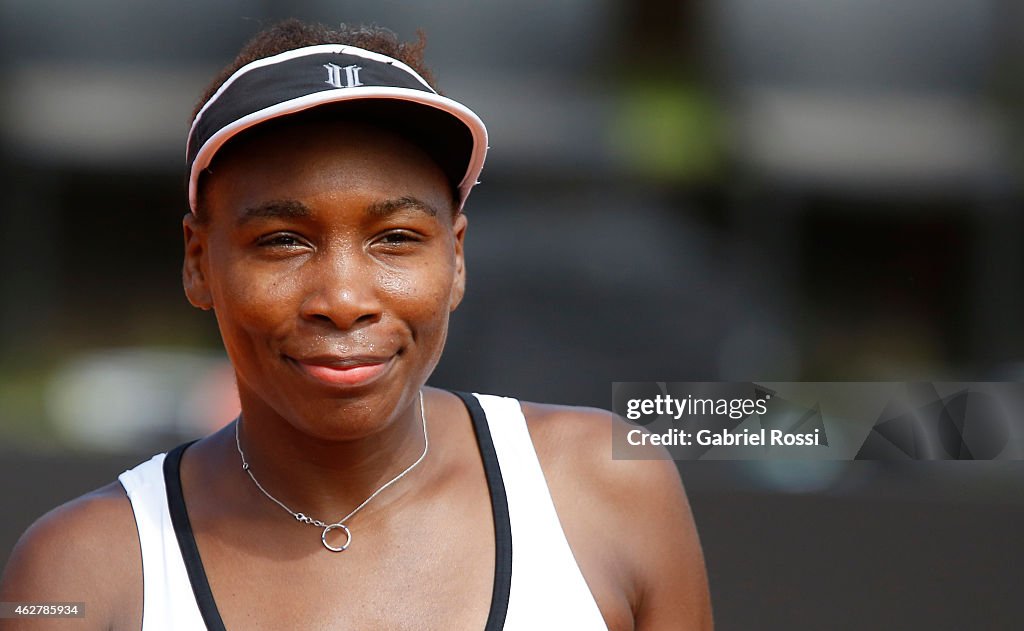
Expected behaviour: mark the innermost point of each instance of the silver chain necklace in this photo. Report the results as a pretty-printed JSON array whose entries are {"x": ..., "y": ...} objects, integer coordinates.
[{"x": 340, "y": 524}]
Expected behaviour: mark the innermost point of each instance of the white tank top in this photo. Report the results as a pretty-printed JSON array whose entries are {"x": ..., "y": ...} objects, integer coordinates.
[{"x": 537, "y": 583}]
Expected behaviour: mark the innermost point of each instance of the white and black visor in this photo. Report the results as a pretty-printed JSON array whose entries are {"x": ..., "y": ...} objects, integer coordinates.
[{"x": 375, "y": 88}]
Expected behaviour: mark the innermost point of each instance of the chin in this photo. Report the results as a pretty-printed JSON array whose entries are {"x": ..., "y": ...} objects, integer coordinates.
[{"x": 348, "y": 417}]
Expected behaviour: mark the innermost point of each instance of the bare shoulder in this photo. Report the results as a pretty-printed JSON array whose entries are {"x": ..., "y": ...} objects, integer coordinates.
[
  {"x": 635, "y": 508},
  {"x": 577, "y": 442},
  {"x": 85, "y": 550}
]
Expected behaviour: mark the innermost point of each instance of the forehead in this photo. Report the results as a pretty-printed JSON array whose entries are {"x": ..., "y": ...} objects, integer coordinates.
[{"x": 309, "y": 158}]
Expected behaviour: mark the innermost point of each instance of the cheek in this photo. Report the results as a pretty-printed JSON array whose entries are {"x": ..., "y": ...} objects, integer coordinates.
[
  {"x": 424, "y": 293},
  {"x": 249, "y": 298}
]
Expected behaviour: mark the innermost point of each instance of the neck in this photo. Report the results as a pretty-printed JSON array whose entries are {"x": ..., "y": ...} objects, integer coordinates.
[{"x": 327, "y": 474}]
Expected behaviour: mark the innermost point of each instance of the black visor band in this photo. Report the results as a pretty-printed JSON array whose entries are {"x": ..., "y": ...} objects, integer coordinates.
[{"x": 304, "y": 78}]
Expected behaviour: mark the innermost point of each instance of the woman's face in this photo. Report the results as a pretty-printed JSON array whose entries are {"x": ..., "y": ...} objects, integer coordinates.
[{"x": 332, "y": 261}]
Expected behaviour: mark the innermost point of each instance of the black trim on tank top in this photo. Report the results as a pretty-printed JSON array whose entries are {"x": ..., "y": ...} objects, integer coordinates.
[
  {"x": 187, "y": 541},
  {"x": 499, "y": 509}
]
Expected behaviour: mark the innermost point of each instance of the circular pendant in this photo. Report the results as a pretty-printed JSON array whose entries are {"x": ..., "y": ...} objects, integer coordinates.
[{"x": 348, "y": 539}]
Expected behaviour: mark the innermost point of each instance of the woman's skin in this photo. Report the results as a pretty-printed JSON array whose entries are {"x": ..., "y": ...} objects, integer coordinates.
[{"x": 332, "y": 258}]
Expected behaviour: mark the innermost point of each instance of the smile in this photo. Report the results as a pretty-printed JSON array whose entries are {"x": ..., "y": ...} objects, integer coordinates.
[{"x": 351, "y": 371}]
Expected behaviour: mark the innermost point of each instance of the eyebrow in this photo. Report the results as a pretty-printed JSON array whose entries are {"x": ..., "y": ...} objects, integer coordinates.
[
  {"x": 278, "y": 209},
  {"x": 294, "y": 209},
  {"x": 391, "y": 206}
]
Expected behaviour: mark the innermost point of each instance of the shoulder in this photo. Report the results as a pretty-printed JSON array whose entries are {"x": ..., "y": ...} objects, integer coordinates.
[
  {"x": 603, "y": 501},
  {"x": 578, "y": 441},
  {"x": 86, "y": 550}
]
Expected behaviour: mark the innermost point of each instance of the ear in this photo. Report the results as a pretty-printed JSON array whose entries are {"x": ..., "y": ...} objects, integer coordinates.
[
  {"x": 459, "y": 288},
  {"x": 193, "y": 272}
]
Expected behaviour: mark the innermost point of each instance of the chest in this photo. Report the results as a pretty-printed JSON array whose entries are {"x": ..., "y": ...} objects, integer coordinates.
[{"x": 428, "y": 567}]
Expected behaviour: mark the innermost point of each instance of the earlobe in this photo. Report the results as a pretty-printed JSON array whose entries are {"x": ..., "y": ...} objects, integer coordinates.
[
  {"x": 459, "y": 288},
  {"x": 193, "y": 275}
]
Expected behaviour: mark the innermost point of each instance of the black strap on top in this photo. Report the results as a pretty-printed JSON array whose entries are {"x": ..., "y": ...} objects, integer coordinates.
[
  {"x": 187, "y": 541},
  {"x": 499, "y": 509}
]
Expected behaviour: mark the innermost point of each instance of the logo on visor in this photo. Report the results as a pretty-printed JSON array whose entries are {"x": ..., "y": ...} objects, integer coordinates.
[{"x": 349, "y": 80}]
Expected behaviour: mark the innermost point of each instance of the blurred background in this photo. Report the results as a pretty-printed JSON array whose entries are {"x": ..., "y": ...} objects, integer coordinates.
[{"x": 679, "y": 190}]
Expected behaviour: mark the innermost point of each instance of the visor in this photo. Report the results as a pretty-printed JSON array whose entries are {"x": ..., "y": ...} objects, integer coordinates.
[{"x": 382, "y": 90}]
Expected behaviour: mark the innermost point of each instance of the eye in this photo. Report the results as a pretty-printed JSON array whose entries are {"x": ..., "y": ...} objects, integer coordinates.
[
  {"x": 281, "y": 239},
  {"x": 399, "y": 237}
]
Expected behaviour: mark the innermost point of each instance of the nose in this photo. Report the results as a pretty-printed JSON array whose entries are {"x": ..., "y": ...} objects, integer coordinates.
[{"x": 342, "y": 289}]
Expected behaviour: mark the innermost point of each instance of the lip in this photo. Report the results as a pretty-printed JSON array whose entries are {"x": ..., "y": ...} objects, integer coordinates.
[{"x": 347, "y": 371}]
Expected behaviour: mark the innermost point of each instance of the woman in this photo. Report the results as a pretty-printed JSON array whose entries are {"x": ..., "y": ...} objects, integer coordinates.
[{"x": 326, "y": 185}]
